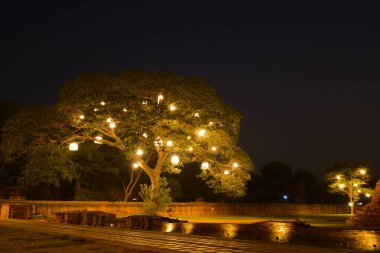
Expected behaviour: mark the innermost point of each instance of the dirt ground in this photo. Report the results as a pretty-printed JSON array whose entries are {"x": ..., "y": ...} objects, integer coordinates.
[{"x": 18, "y": 240}]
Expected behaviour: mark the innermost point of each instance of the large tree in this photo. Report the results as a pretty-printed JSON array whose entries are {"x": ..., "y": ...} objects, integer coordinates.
[{"x": 159, "y": 121}]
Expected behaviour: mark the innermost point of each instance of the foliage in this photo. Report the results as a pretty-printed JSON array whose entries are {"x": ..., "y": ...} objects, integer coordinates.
[
  {"x": 155, "y": 202},
  {"x": 349, "y": 179}
]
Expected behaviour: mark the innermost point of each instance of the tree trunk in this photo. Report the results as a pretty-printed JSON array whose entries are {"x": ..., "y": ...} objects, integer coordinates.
[
  {"x": 155, "y": 185},
  {"x": 126, "y": 195}
]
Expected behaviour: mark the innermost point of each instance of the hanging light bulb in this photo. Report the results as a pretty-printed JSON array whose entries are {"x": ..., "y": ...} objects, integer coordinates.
[
  {"x": 350, "y": 204},
  {"x": 169, "y": 143},
  {"x": 125, "y": 110},
  {"x": 191, "y": 149},
  {"x": 363, "y": 171},
  {"x": 175, "y": 159},
  {"x": 96, "y": 109},
  {"x": 188, "y": 137},
  {"x": 112, "y": 125},
  {"x": 102, "y": 103},
  {"x": 338, "y": 177},
  {"x": 109, "y": 120},
  {"x": 368, "y": 195},
  {"x": 359, "y": 191},
  {"x": 135, "y": 165},
  {"x": 81, "y": 116},
  {"x": 196, "y": 115},
  {"x": 214, "y": 149},
  {"x": 145, "y": 135},
  {"x": 73, "y": 146},
  {"x": 210, "y": 123},
  {"x": 160, "y": 97},
  {"x": 341, "y": 186},
  {"x": 356, "y": 185},
  {"x": 205, "y": 165},
  {"x": 235, "y": 165},
  {"x": 98, "y": 139},
  {"x": 226, "y": 172},
  {"x": 201, "y": 132},
  {"x": 139, "y": 152},
  {"x": 172, "y": 107}
]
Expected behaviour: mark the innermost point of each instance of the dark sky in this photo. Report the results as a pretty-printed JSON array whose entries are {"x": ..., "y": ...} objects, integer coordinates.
[{"x": 305, "y": 77}]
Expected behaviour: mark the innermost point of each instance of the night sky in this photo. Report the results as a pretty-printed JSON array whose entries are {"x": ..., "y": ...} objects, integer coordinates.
[{"x": 305, "y": 77}]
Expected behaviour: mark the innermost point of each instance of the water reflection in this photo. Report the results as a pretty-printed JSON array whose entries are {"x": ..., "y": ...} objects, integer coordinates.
[
  {"x": 279, "y": 232},
  {"x": 230, "y": 230}
]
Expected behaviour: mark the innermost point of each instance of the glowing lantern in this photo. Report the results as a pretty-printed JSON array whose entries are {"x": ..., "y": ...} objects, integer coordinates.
[
  {"x": 139, "y": 152},
  {"x": 125, "y": 110},
  {"x": 169, "y": 143},
  {"x": 201, "y": 132},
  {"x": 102, "y": 103},
  {"x": 81, "y": 116},
  {"x": 213, "y": 148},
  {"x": 356, "y": 185},
  {"x": 205, "y": 165},
  {"x": 172, "y": 108},
  {"x": 350, "y": 204},
  {"x": 109, "y": 120},
  {"x": 363, "y": 171},
  {"x": 112, "y": 125},
  {"x": 145, "y": 135},
  {"x": 96, "y": 109},
  {"x": 226, "y": 172},
  {"x": 175, "y": 159},
  {"x": 368, "y": 195},
  {"x": 341, "y": 186},
  {"x": 338, "y": 177},
  {"x": 196, "y": 115},
  {"x": 191, "y": 149},
  {"x": 135, "y": 165},
  {"x": 73, "y": 146}
]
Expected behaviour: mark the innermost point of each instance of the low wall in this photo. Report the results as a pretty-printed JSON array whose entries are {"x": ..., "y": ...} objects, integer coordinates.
[{"x": 121, "y": 209}]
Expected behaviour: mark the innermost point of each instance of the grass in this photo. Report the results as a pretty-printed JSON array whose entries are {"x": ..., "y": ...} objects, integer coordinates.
[{"x": 326, "y": 220}]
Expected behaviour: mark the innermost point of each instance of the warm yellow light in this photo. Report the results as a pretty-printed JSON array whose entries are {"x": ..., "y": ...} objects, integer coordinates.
[
  {"x": 341, "y": 186},
  {"x": 159, "y": 98},
  {"x": 196, "y": 115},
  {"x": 226, "y": 172},
  {"x": 211, "y": 123},
  {"x": 145, "y": 135},
  {"x": 356, "y": 185},
  {"x": 191, "y": 149},
  {"x": 81, "y": 116},
  {"x": 235, "y": 165},
  {"x": 213, "y": 148},
  {"x": 172, "y": 108},
  {"x": 98, "y": 139},
  {"x": 135, "y": 165},
  {"x": 96, "y": 109},
  {"x": 125, "y": 110},
  {"x": 139, "y": 152},
  {"x": 359, "y": 191},
  {"x": 368, "y": 195},
  {"x": 109, "y": 120},
  {"x": 102, "y": 103},
  {"x": 169, "y": 143},
  {"x": 175, "y": 159},
  {"x": 188, "y": 137},
  {"x": 350, "y": 204},
  {"x": 205, "y": 165},
  {"x": 73, "y": 146},
  {"x": 202, "y": 132},
  {"x": 338, "y": 177},
  {"x": 363, "y": 171},
  {"x": 112, "y": 125}
]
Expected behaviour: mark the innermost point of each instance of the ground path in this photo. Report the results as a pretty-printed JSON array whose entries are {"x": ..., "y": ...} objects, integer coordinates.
[{"x": 163, "y": 242}]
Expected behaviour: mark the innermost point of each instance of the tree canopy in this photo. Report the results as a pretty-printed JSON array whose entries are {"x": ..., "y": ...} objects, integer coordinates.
[{"x": 158, "y": 121}]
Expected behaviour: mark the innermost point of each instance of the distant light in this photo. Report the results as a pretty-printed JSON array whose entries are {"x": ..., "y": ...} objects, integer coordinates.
[
  {"x": 112, "y": 125},
  {"x": 235, "y": 165},
  {"x": 135, "y": 165},
  {"x": 356, "y": 185},
  {"x": 139, "y": 152},
  {"x": 81, "y": 116},
  {"x": 188, "y": 137},
  {"x": 213, "y": 148},
  {"x": 341, "y": 186},
  {"x": 211, "y": 123},
  {"x": 169, "y": 143},
  {"x": 226, "y": 172},
  {"x": 205, "y": 165},
  {"x": 196, "y": 115},
  {"x": 368, "y": 195},
  {"x": 285, "y": 196},
  {"x": 350, "y": 204},
  {"x": 338, "y": 177},
  {"x": 363, "y": 171},
  {"x": 202, "y": 132},
  {"x": 360, "y": 203},
  {"x": 191, "y": 149},
  {"x": 125, "y": 110},
  {"x": 145, "y": 135},
  {"x": 102, "y": 103},
  {"x": 359, "y": 191},
  {"x": 96, "y": 109},
  {"x": 73, "y": 146},
  {"x": 109, "y": 120},
  {"x": 175, "y": 159},
  {"x": 172, "y": 108}
]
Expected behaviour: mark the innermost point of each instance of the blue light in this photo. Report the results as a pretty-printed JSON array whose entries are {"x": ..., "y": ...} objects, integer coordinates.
[{"x": 285, "y": 197}]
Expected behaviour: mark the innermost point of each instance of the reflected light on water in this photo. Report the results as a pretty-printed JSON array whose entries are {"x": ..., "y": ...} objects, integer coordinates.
[
  {"x": 188, "y": 228},
  {"x": 280, "y": 232},
  {"x": 365, "y": 240},
  {"x": 230, "y": 230}
]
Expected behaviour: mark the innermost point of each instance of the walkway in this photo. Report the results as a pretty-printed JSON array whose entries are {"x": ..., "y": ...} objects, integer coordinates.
[{"x": 163, "y": 242}]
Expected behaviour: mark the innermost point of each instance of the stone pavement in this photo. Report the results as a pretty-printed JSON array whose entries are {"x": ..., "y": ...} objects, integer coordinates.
[{"x": 164, "y": 242}]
